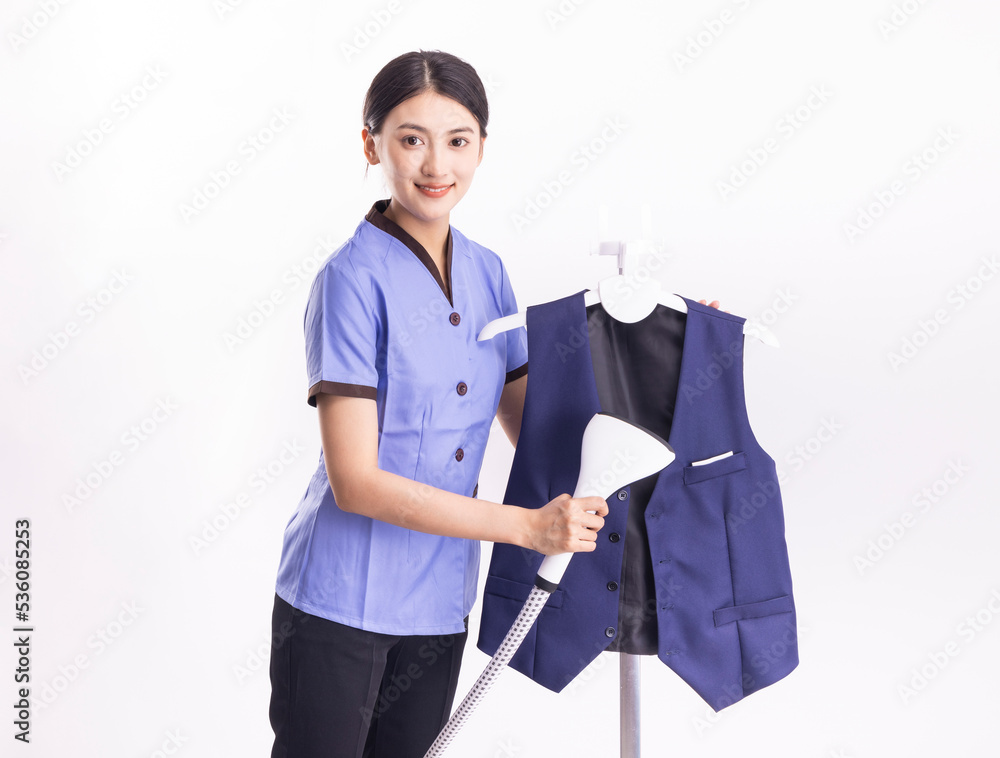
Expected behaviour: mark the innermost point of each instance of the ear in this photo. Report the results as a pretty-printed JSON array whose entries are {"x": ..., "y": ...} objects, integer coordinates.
[
  {"x": 368, "y": 139},
  {"x": 482, "y": 141}
]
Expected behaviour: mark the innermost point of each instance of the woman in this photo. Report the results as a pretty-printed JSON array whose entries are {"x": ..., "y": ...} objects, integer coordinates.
[{"x": 380, "y": 560}]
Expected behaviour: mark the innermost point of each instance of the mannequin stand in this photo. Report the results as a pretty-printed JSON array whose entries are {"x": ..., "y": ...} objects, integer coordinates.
[{"x": 628, "y": 675}]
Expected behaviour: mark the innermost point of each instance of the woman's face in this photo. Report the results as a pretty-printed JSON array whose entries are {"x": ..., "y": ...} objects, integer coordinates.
[{"x": 429, "y": 148}]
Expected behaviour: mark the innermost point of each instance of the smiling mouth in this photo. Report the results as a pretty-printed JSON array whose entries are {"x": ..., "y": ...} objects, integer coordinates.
[{"x": 434, "y": 191}]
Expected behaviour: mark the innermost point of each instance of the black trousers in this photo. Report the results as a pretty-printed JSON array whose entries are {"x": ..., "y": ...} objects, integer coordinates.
[{"x": 341, "y": 692}]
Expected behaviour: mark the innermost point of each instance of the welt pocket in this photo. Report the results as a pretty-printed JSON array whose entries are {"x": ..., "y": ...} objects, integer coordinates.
[
  {"x": 721, "y": 467},
  {"x": 519, "y": 591},
  {"x": 774, "y": 606}
]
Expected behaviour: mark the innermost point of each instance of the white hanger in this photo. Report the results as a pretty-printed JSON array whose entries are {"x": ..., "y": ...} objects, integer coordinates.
[
  {"x": 623, "y": 298},
  {"x": 627, "y": 297},
  {"x": 626, "y": 303}
]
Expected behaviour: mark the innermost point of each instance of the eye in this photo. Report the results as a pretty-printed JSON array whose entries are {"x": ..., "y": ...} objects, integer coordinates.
[
  {"x": 459, "y": 142},
  {"x": 411, "y": 140}
]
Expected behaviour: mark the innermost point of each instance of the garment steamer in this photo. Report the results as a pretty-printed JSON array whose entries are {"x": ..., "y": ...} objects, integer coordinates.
[
  {"x": 628, "y": 297},
  {"x": 615, "y": 453}
]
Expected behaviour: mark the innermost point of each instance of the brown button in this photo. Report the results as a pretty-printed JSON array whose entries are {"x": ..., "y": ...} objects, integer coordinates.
[
  {"x": 475, "y": 490},
  {"x": 459, "y": 454},
  {"x": 454, "y": 318},
  {"x": 462, "y": 388}
]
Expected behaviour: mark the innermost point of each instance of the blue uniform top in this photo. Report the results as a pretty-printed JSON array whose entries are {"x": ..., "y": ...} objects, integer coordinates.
[{"x": 382, "y": 323}]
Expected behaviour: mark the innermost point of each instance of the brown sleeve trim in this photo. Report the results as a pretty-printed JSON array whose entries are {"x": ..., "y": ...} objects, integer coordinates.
[
  {"x": 340, "y": 388},
  {"x": 516, "y": 373}
]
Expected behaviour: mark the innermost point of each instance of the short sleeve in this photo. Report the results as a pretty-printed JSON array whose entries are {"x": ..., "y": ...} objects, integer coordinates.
[
  {"x": 341, "y": 332},
  {"x": 517, "y": 339}
]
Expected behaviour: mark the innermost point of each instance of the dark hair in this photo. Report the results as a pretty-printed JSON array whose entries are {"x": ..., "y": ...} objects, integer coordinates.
[{"x": 413, "y": 73}]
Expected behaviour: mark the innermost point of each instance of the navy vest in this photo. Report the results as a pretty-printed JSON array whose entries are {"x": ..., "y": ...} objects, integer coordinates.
[{"x": 691, "y": 564}]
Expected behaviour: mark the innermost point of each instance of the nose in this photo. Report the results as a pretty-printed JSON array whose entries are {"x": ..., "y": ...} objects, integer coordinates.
[{"x": 434, "y": 163}]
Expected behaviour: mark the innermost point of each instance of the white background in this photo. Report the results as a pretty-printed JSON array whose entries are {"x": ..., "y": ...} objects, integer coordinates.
[{"x": 148, "y": 642}]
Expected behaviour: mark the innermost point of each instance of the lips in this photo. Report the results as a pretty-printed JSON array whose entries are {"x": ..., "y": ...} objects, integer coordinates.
[{"x": 434, "y": 190}]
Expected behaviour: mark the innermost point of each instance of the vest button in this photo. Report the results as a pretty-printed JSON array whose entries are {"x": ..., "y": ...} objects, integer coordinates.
[
  {"x": 462, "y": 388},
  {"x": 454, "y": 318},
  {"x": 475, "y": 490},
  {"x": 612, "y": 585},
  {"x": 459, "y": 454},
  {"x": 622, "y": 494},
  {"x": 609, "y": 632},
  {"x": 614, "y": 536}
]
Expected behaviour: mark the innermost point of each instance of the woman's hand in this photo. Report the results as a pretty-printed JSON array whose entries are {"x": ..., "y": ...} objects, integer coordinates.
[
  {"x": 563, "y": 525},
  {"x": 713, "y": 304}
]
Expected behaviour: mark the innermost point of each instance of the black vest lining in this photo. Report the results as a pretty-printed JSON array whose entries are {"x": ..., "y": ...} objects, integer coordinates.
[{"x": 637, "y": 372}]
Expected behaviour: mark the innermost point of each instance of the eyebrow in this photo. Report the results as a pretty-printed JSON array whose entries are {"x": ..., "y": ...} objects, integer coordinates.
[{"x": 418, "y": 128}]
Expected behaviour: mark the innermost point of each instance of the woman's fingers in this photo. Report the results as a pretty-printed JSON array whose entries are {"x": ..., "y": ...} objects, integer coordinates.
[
  {"x": 713, "y": 304},
  {"x": 593, "y": 503},
  {"x": 568, "y": 526}
]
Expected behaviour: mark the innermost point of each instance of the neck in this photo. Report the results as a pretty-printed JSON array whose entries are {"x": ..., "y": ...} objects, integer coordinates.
[{"x": 432, "y": 235}]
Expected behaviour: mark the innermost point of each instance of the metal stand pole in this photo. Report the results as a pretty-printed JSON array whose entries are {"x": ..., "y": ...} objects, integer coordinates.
[
  {"x": 628, "y": 665},
  {"x": 628, "y": 673}
]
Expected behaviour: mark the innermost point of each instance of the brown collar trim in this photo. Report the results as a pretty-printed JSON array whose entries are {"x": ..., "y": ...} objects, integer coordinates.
[{"x": 377, "y": 219}]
